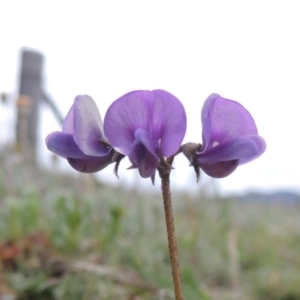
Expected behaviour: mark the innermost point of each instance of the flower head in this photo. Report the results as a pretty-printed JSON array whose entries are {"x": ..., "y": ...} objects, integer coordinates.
[
  {"x": 230, "y": 137},
  {"x": 145, "y": 125},
  {"x": 80, "y": 139}
]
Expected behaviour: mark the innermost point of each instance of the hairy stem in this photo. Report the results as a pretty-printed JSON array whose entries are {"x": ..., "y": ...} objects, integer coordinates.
[{"x": 164, "y": 172}]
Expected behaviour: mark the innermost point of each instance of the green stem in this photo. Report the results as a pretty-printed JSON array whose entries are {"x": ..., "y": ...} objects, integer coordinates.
[{"x": 164, "y": 172}]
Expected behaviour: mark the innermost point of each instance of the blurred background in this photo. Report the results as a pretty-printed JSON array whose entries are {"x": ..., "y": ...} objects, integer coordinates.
[{"x": 65, "y": 235}]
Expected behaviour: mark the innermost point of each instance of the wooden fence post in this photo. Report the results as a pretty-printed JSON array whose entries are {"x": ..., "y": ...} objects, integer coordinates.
[{"x": 30, "y": 96}]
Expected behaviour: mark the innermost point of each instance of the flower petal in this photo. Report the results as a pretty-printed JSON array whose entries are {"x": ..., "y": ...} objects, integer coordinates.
[
  {"x": 158, "y": 112},
  {"x": 124, "y": 116},
  {"x": 168, "y": 122},
  {"x": 88, "y": 130},
  {"x": 260, "y": 145},
  {"x": 63, "y": 144},
  {"x": 220, "y": 169},
  {"x": 224, "y": 120},
  {"x": 91, "y": 164},
  {"x": 68, "y": 125},
  {"x": 143, "y": 155},
  {"x": 243, "y": 149}
]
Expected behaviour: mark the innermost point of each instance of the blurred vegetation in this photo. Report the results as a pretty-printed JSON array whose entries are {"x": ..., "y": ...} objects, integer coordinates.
[{"x": 64, "y": 237}]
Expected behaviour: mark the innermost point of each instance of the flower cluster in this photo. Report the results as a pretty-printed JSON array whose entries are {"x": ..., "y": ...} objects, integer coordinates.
[{"x": 148, "y": 126}]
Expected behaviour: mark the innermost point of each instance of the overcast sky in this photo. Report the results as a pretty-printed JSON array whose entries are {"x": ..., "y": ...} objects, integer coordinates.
[{"x": 248, "y": 51}]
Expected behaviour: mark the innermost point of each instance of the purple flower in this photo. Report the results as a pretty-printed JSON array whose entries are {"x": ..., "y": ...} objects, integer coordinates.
[
  {"x": 145, "y": 125},
  {"x": 230, "y": 137},
  {"x": 80, "y": 140}
]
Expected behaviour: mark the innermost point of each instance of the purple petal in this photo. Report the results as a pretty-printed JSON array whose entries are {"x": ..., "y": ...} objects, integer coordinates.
[
  {"x": 157, "y": 112},
  {"x": 260, "y": 146},
  {"x": 88, "y": 130},
  {"x": 142, "y": 154},
  {"x": 142, "y": 136},
  {"x": 169, "y": 122},
  {"x": 63, "y": 144},
  {"x": 92, "y": 164},
  {"x": 220, "y": 169},
  {"x": 68, "y": 125},
  {"x": 224, "y": 120},
  {"x": 243, "y": 149}
]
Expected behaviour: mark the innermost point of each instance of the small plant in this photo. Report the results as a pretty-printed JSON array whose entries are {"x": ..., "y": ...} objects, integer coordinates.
[{"x": 69, "y": 222}]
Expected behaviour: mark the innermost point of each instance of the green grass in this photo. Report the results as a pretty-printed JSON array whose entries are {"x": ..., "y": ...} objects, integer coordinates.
[{"x": 227, "y": 249}]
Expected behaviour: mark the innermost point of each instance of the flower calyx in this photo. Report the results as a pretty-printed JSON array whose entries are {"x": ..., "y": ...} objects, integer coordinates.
[{"x": 189, "y": 150}]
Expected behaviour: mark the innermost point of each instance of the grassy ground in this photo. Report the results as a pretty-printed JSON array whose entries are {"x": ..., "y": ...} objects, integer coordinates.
[{"x": 66, "y": 238}]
